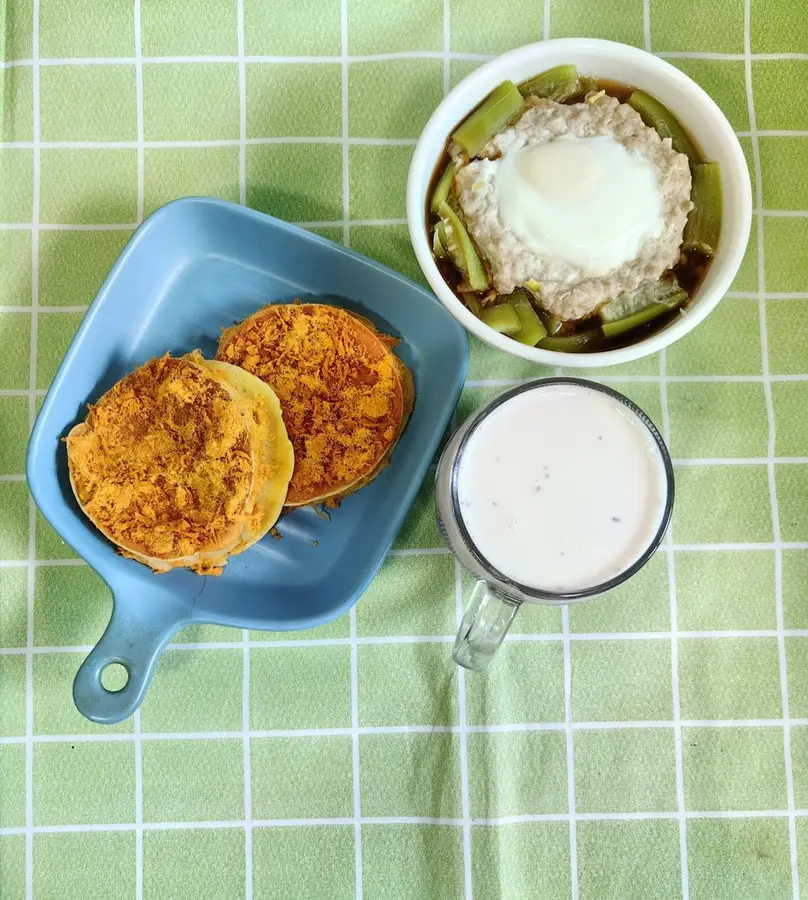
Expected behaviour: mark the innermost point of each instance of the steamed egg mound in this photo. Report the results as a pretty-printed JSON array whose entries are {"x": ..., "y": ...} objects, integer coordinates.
[{"x": 580, "y": 202}]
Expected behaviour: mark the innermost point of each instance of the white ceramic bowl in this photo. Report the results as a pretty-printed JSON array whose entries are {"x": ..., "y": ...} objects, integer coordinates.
[{"x": 605, "y": 59}]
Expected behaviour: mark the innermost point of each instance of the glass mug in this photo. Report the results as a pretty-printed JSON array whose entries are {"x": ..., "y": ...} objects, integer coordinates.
[{"x": 496, "y": 598}]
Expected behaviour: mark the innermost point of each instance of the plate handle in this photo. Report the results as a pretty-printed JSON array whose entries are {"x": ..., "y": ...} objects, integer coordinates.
[{"x": 135, "y": 638}]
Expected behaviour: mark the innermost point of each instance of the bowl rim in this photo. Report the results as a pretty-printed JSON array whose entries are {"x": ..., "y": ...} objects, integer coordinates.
[{"x": 488, "y": 75}]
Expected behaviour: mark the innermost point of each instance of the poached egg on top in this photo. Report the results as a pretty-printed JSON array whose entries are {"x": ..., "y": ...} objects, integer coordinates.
[
  {"x": 585, "y": 199},
  {"x": 589, "y": 201}
]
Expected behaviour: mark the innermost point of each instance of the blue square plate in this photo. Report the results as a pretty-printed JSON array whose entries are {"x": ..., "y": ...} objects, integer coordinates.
[{"x": 193, "y": 268}]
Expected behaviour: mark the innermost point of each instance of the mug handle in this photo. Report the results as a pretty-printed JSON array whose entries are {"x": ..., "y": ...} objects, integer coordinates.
[{"x": 485, "y": 623}]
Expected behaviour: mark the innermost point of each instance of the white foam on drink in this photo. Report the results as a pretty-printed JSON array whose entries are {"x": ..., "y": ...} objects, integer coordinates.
[{"x": 562, "y": 488}]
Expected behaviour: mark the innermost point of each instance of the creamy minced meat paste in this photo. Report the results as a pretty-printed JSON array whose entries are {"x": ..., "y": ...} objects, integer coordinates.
[{"x": 566, "y": 290}]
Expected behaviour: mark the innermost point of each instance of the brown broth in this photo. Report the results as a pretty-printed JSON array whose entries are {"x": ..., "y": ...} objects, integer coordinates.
[{"x": 689, "y": 271}]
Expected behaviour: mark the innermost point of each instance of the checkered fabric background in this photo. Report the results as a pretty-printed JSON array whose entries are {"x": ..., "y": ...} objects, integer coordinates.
[{"x": 650, "y": 744}]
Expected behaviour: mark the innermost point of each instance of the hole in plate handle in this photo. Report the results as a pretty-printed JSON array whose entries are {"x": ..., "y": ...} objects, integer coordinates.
[{"x": 114, "y": 677}]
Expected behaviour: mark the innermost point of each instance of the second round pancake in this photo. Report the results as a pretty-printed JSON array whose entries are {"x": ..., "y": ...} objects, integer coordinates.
[{"x": 340, "y": 387}]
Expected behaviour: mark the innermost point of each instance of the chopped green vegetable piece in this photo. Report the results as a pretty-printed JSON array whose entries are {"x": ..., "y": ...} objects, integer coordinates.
[
  {"x": 703, "y": 228},
  {"x": 516, "y": 297},
  {"x": 440, "y": 230},
  {"x": 552, "y": 323},
  {"x": 665, "y": 291},
  {"x": 472, "y": 301},
  {"x": 452, "y": 245},
  {"x": 443, "y": 187},
  {"x": 659, "y": 117},
  {"x": 532, "y": 289},
  {"x": 635, "y": 320},
  {"x": 588, "y": 84},
  {"x": 557, "y": 84},
  {"x": 531, "y": 330},
  {"x": 473, "y": 268},
  {"x": 496, "y": 112},
  {"x": 438, "y": 250},
  {"x": 502, "y": 318},
  {"x": 573, "y": 343}
]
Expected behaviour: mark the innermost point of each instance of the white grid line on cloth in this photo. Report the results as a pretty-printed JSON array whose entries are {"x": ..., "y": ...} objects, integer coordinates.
[
  {"x": 642, "y": 379},
  {"x": 447, "y": 65},
  {"x": 141, "y": 203},
  {"x": 245, "y": 737},
  {"x": 355, "y": 773},
  {"x": 508, "y": 382},
  {"x": 103, "y": 737},
  {"x": 26, "y": 226},
  {"x": 737, "y": 57},
  {"x": 239, "y": 142},
  {"x": 346, "y": 240},
  {"x": 405, "y": 820},
  {"x": 346, "y": 174},
  {"x": 675, "y": 688},
  {"x": 299, "y": 139},
  {"x": 465, "y": 803},
  {"x": 366, "y": 58},
  {"x": 336, "y": 223},
  {"x": 220, "y": 142},
  {"x": 730, "y": 295},
  {"x": 32, "y": 383},
  {"x": 767, "y": 390},
  {"x": 568, "y": 729},
  {"x": 548, "y": 637},
  {"x": 678, "y": 463},
  {"x": 646, "y": 25},
  {"x": 138, "y": 806},
  {"x": 277, "y": 139},
  {"x": 242, "y": 129},
  {"x": 285, "y": 139},
  {"x": 46, "y": 309},
  {"x": 130, "y": 226},
  {"x": 21, "y": 392},
  {"x": 743, "y": 461},
  {"x": 774, "y": 132},
  {"x": 780, "y": 213},
  {"x": 568, "y": 733},
  {"x": 245, "y": 634},
  {"x": 442, "y": 551},
  {"x": 139, "y": 143}
]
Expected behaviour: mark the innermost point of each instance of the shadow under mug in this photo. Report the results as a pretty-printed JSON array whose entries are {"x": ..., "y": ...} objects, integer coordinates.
[{"x": 496, "y": 598}]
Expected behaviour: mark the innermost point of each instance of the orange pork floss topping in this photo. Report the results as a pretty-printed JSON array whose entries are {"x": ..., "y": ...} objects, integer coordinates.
[
  {"x": 162, "y": 464},
  {"x": 339, "y": 388}
]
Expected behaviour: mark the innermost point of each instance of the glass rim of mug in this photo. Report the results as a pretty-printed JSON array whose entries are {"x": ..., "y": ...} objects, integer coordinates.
[{"x": 581, "y": 593}]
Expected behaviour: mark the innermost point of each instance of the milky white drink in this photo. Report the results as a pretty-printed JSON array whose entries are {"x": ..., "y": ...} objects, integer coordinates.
[{"x": 562, "y": 488}]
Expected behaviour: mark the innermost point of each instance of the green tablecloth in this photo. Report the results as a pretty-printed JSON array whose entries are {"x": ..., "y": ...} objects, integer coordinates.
[{"x": 651, "y": 744}]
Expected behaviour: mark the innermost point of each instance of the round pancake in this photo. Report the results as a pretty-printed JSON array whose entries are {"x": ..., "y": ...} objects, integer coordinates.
[
  {"x": 168, "y": 467},
  {"x": 339, "y": 387}
]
